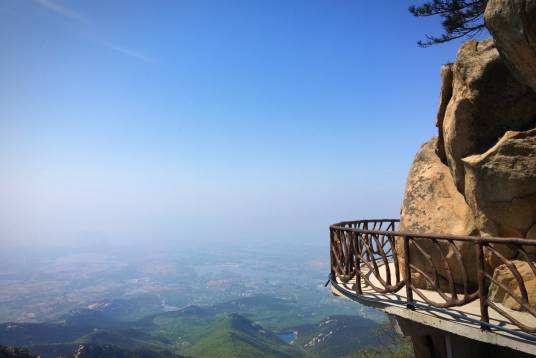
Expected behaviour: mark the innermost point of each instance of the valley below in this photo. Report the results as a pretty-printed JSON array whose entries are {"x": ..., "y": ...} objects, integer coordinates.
[{"x": 239, "y": 302}]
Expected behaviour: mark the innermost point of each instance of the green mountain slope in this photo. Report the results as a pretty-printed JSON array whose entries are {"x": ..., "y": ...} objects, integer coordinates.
[
  {"x": 336, "y": 336},
  {"x": 196, "y": 332},
  {"x": 221, "y": 330},
  {"x": 181, "y": 327},
  {"x": 107, "y": 351},
  {"x": 235, "y": 336},
  {"x": 272, "y": 312},
  {"x": 126, "y": 339}
]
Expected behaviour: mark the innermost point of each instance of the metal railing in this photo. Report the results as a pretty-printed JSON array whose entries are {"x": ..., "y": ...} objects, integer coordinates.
[{"x": 372, "y": 255}]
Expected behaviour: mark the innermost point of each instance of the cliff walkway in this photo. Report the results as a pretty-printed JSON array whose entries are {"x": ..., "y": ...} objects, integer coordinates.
[{"x": 445, "y": 281}]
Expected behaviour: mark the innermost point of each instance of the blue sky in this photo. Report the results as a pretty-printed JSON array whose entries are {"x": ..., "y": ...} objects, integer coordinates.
[{"x": 190, "y": 121}]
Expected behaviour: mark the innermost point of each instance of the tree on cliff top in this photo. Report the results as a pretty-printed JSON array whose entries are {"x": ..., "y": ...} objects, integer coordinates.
[{"x": 459, "y": 18}]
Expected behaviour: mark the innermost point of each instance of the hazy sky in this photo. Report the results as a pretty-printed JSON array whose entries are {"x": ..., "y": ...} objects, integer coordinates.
[{"x": 190, "y": 121}]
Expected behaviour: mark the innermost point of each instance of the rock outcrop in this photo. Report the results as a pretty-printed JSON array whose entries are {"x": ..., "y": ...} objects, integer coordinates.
[
  {"x": 500, "y": 184},
  {"x": 486, "y": 101},
  {"x": 513, "y": 26},
  {"x": 432, "y": 204},
  {"x": 505, "y": 277},
  {"x": 479, "y": 176}
]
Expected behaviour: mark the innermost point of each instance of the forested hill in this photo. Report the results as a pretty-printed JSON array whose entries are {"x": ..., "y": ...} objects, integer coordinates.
[{"x": 252, "y": 326}]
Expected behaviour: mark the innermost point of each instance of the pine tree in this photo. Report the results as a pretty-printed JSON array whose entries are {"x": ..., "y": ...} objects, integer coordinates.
[{"x": 459, "y": 19}]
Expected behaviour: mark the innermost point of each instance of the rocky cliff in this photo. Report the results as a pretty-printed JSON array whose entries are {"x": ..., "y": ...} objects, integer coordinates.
[{"x": 478, "y": 176}]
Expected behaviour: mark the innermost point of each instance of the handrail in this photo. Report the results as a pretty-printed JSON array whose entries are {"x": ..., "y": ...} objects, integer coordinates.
[
  {"x": 376, "y": 256},
  {"x": 490, "y": 239}
]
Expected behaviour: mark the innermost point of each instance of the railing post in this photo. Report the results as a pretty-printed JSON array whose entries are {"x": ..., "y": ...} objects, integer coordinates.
[
  {"x": 357, "y": 264},
  {"x": 407, "y": 275},
  {"x": 331, "y": 270},
  {"x": 482, "y": 287}
]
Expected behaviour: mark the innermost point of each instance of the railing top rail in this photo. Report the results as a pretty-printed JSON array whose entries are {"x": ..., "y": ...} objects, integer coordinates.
[
  {"x": 367, "y": 221},
  {"x": 379, "y": 258},
  {"x": 481, "y": 239}
]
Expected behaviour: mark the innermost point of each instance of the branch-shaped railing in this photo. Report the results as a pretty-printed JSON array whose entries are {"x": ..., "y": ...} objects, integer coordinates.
[{"x": 373, "y": 255}]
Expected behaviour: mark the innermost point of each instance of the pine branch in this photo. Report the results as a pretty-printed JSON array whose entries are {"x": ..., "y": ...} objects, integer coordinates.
[{"x": 459, "y": 19}]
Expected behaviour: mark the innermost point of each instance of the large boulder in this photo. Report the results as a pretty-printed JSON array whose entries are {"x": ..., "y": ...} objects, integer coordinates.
[
  {"x": 500, "y": 185},
  {"x": 504, "y": 276},
  {"x": 486, "y": 101},
  {"x": 432, "y": 204},
  {"x": 513, "y": 26}
]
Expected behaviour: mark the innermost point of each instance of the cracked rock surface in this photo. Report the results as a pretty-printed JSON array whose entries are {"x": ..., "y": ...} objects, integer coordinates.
[{"x": 513, "y": 26}]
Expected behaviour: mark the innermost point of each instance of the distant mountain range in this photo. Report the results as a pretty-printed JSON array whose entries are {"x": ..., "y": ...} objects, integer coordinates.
[{"x": 233, "y": 329}]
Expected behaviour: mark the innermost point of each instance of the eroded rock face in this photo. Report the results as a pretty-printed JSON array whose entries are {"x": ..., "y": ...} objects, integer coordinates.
[
  {"x": 500, "y": 185},
  {"x": 432, "y": 204},
  {"x": 504, "y": 276},
  {"x": 486, "y": 101},
  {"x": 513, "y": 26}
]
